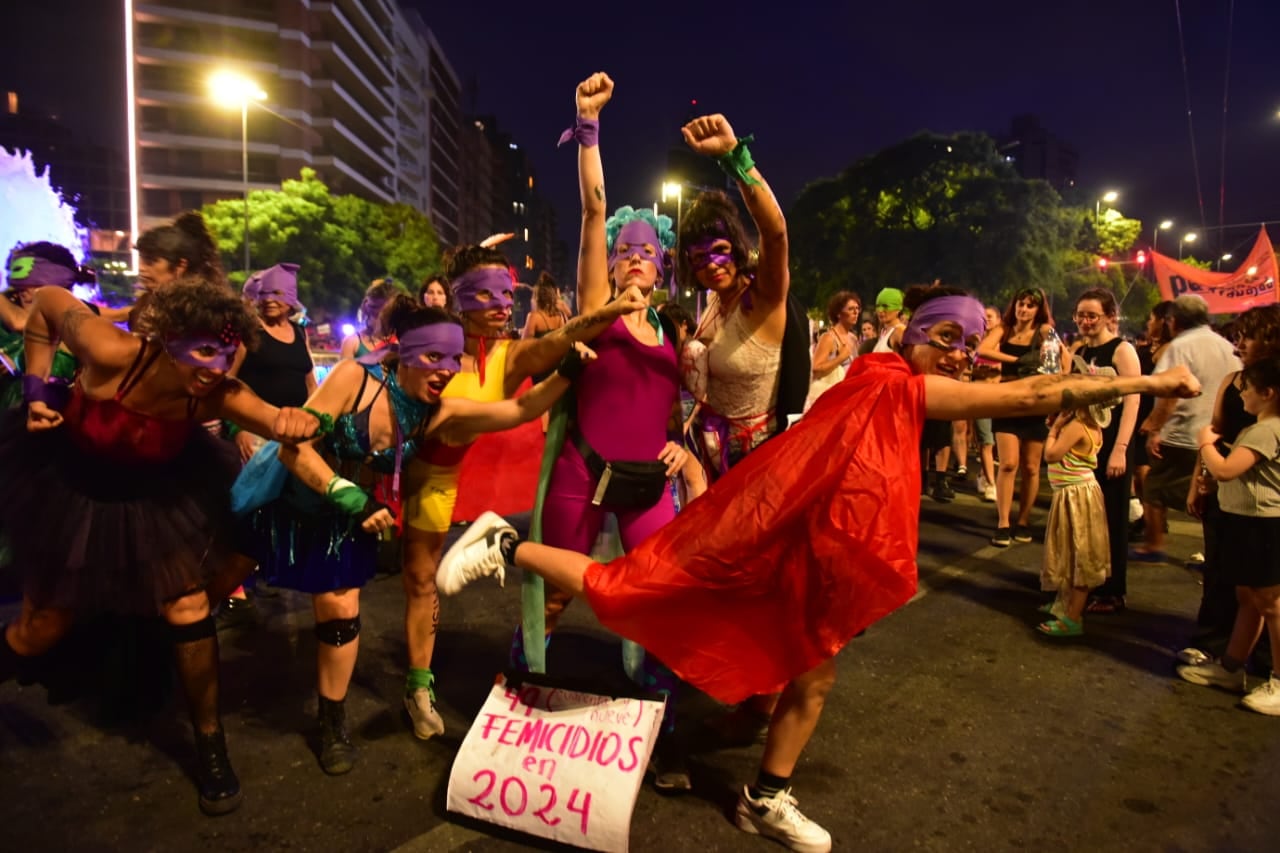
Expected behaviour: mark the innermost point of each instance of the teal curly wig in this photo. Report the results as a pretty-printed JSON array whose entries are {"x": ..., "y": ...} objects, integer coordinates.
[{"x": 623, "y": 215}]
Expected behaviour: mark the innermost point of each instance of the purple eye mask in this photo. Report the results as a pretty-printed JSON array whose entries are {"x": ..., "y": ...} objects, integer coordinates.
[
  {"x": 185, "y": 350},
  {"x": 497, "y": 281},
  {"x": 434, "y": 347},
  {"x": 705, "y": 257},
  {"x": 965, "y": 310},
  {"x": 635, "y": 235}
]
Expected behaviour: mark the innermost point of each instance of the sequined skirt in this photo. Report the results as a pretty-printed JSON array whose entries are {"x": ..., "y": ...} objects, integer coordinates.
[{"x": 1077, "y": 551}]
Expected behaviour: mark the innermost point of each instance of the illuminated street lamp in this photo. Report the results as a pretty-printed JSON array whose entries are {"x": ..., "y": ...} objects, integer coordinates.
[
  {"x": 1109, "y": 197},
  {"x": 1189, "y": 237},
  {"x": 1163, "y": 226},
  {"x": 230, "y": 89}
]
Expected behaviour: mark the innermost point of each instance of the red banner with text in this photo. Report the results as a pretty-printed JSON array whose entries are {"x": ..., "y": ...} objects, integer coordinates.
[{"x": 1253, "y": 283}]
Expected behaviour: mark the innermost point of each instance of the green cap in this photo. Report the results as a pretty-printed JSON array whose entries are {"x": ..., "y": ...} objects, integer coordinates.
[{"x": 889, "y": 299}]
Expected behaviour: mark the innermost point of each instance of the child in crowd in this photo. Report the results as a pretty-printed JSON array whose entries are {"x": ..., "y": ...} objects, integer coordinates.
[
  {"x": 1249, "y": 495},
  {"x": 1076, "y": 548}
]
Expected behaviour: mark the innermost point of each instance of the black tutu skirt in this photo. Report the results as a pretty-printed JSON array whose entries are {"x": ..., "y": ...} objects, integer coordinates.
[
  {"x": 301, "y": 543},
  {"x": 93, "y": 534}
]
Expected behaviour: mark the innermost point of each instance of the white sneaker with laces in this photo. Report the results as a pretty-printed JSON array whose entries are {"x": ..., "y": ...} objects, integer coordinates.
[
  {"x": 1266, "y": 698},
  {"x": 476, "y": 554},
  {"x": 778, "y": 817},
  {"x": 989, "y": 493},
  {"x": 427, "y": 722},
  {"x": 1213, "y": 674}
]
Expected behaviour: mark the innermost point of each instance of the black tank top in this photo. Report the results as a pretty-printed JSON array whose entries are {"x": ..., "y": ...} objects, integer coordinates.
[
  {"x": 1104, "y": 355},
  {"x": 276, "y": 371},
  {"x": 1234, "y": 417}
]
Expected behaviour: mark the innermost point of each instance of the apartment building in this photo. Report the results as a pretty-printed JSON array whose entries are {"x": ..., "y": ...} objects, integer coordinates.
[{"x": 358, "y": 90}]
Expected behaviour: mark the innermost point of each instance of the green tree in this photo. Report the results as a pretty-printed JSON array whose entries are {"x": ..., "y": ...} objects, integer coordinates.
[
  {"x": 931, "y": 207},
  {"x": 340, "y": 242},
  {"x": 1115, "y": 234}
]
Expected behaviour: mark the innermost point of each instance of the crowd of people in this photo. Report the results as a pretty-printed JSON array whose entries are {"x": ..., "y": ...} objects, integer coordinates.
[{"x": 157, "y": 459}]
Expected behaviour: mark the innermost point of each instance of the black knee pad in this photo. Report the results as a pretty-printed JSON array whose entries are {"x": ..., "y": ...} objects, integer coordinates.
[
  {"x": 193, "y": 631},
  {"x": 338, "y": 632}
]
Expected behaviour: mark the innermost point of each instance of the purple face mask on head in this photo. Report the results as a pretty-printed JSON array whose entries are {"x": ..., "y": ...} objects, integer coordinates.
[
  {"x": 277, "y": 284},
  {"x": 32, "y": 271},
  {"x": 205, "y": 352},
  {"x": 497, "y": 282},
  {"x": 635, "y": 236},
  {"x": 700, "y": 254},
  {"x": 434, "y": 347}
]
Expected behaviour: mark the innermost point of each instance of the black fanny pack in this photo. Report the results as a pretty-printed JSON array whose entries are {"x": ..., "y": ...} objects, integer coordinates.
[{"x": 623, "y": 484}]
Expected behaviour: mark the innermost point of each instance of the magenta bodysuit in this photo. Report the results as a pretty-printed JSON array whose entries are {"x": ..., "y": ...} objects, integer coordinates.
[{"x": 625, "y": 399}]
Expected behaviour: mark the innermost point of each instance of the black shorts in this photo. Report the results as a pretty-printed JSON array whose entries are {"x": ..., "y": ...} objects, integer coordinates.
[
  {"x": 936, "y": 435},
  {"x": 1029, "y": 428},
  {"x": 1170, "y": 477},
  {"x": 1249, "y": 546}
]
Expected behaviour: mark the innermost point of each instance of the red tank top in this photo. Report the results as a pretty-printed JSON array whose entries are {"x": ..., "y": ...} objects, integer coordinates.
[{"x": 107, "y": 428}]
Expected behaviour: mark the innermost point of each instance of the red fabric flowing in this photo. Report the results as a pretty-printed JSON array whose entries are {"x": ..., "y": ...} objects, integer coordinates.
[
  {"x": 806, "y": 542},
  {"x": 500, "y": 471}
]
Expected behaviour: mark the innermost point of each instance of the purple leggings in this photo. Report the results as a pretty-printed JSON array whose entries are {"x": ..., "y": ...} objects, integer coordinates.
[{"x": 570, "y": 521}]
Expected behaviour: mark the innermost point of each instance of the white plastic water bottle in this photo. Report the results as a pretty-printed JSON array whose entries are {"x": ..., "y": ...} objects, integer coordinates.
[{"x": 1051, "y": 353}]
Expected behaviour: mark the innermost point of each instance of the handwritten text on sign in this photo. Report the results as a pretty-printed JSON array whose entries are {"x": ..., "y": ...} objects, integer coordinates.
[{"x": 557, "y": 763}]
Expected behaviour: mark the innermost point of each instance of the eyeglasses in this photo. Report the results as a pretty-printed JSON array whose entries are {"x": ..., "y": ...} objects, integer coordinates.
[{"x": 1087, "y": 318}]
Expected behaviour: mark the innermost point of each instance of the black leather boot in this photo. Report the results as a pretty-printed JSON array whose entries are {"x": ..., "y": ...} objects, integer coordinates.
[
  {"x": 337, "y": 755},
  {"x": 217, "y": 783}
]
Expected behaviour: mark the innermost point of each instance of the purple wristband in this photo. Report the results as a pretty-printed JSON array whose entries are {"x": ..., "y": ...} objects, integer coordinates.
[
  {"x": 52, "y": 393},
  {"x": 585, "y": 130}
]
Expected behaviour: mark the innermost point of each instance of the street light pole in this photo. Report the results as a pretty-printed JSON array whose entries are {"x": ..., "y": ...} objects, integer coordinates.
[{"x": 244, "y": 166}]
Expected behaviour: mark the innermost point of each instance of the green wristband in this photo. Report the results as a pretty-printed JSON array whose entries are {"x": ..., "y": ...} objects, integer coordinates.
[
  {"x": 231, "y": 428},
  {"x": 737, "y": 163},
  {"x": 326, "y": 421},
  {"x": 345, "y": 495}
]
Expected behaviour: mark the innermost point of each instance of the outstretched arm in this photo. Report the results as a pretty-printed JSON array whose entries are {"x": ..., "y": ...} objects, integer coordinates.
[
  {"x": 593, "y": 262},
  {"x": 531, "y": 356},
  {"x": 712, "y": 135},
  {"x": 460, "y": 421},
  {"x": 948, "y": 400}
]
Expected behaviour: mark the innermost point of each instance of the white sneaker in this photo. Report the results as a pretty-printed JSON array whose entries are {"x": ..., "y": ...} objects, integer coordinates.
[
  {"x": 1265, "y": 699},
  {"x": 476, "y": 554},
  {"x": 777, "y": 817},
  {"x": 1212, "y": 674},
  {"x": 989, "y": 493},
  {"x": 427, "y": 722}
]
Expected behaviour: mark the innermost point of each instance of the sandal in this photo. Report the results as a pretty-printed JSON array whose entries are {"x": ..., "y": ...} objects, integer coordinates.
[
  {"x": 1105, "y": 604},
  {"x": 1061, "y": 626}
]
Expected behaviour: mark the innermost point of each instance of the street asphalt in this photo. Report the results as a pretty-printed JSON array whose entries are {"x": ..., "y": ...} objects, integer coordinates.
[{"x": 953, "y": 726}]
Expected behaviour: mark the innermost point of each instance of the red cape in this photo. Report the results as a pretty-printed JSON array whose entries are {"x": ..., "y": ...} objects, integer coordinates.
[{"x": 806, "y": 542}]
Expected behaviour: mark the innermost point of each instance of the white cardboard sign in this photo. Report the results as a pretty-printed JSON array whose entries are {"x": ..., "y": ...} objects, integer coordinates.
[{"x": 557, "y": 763}]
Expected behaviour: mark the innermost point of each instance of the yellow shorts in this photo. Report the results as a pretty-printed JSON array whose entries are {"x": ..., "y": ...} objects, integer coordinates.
[{"x": 431, "y": 507}]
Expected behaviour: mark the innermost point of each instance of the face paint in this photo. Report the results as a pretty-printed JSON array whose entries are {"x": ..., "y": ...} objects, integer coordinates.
[
  {"x": 700, "y": 254},
  {"x": 636, "y": 235},
  {"x": 31, "y": 271},
  {"x": 203, "y": 352},
  {"x": 434, "y": 347},
  {"x": 485, "y": 289}
]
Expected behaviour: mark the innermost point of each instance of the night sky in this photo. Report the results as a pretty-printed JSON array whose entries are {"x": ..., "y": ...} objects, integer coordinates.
[{"x": 819, "y": 88}]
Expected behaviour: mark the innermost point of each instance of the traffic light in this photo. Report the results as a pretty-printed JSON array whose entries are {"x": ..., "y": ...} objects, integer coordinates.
[
  {"x": 1102, "y": 263},
  {"x": 1141, "y": 258}
]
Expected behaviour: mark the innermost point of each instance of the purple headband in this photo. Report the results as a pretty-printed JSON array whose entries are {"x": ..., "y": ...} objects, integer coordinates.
[
  {"x": 635, "y": 235},
  {"x": 965, "y": 310},
  {"x": 32, "y": 271},
  {"x": 416, "y": 347},
  {"x": 277, "y": 284},
  {"x": 498, "y": 282},
  {"x": 184, "y": 350}
]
